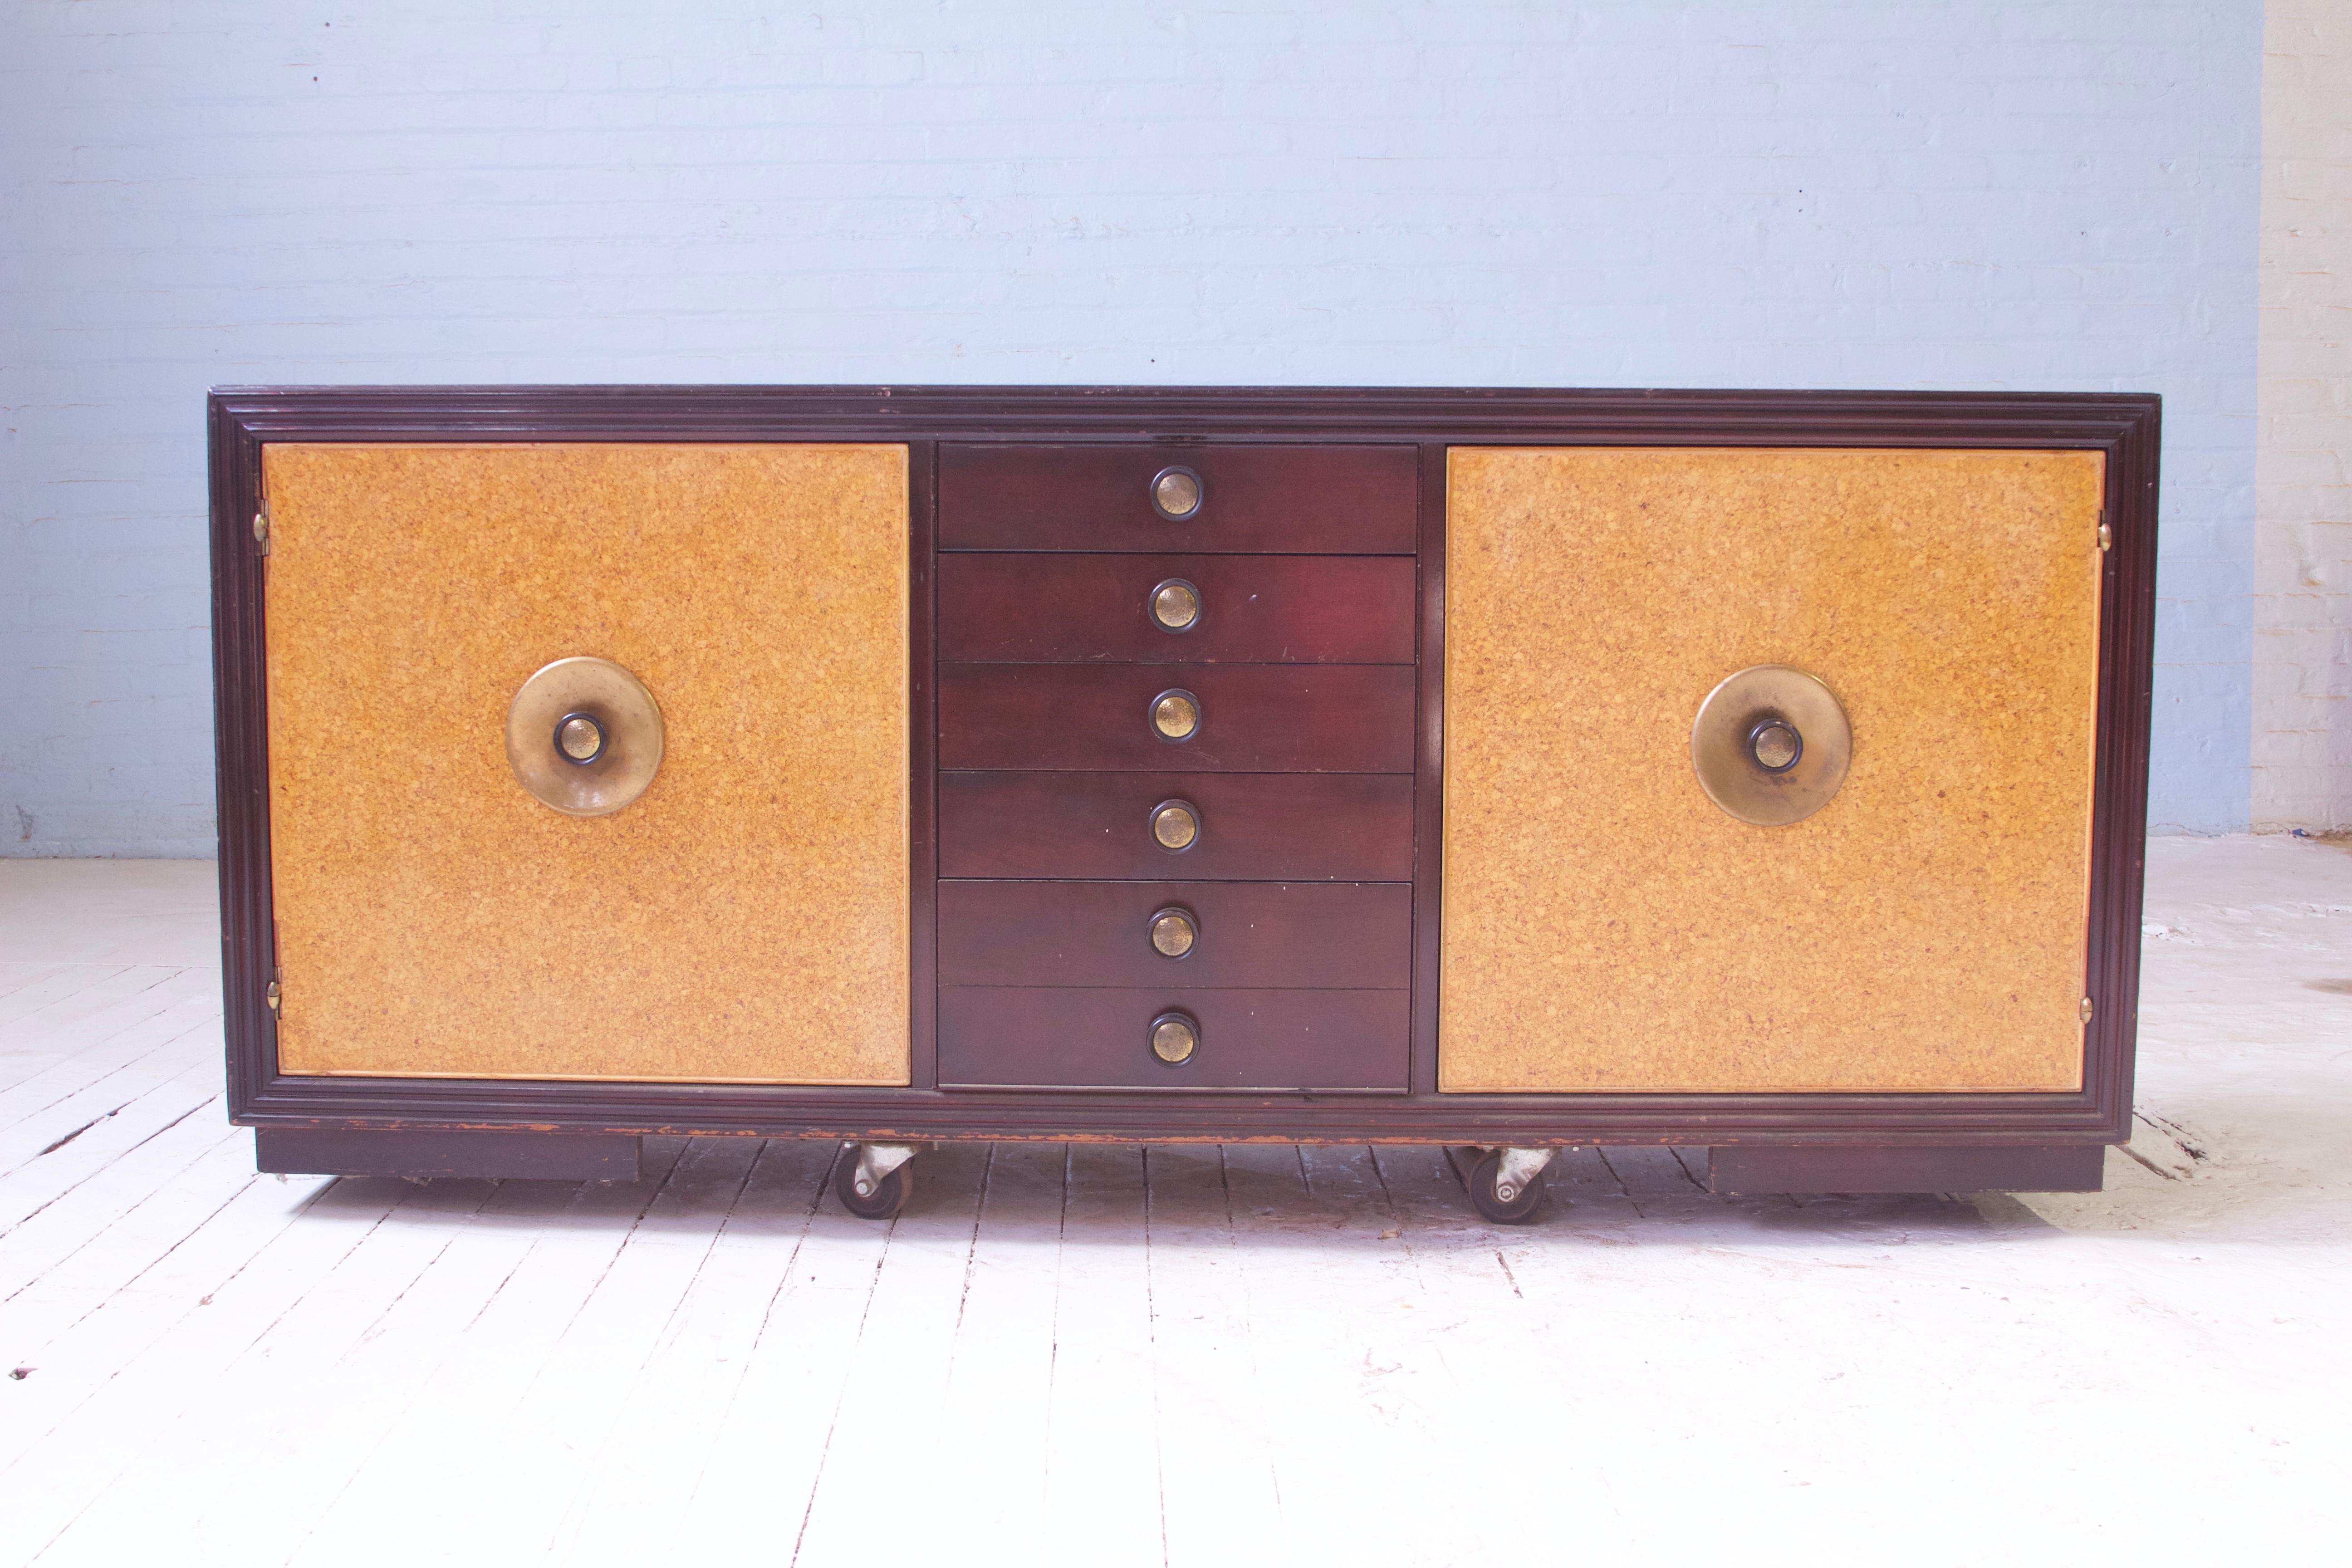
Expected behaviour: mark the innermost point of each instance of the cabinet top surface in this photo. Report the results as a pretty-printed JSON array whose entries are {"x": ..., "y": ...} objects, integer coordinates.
[{"x": 1504, "y": 414}]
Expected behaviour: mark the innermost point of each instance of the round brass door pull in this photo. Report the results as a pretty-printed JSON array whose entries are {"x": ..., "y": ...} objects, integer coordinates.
[
  {"x": 1770, "y": 745},
  {"x": 1175, "y": 825},
  {"x": 1175, "y": 605},
  {"x": 584, "y": 736},
  {"x": 1174, "y": 1037},
  {"x": 1176, "y": 493},
  {"x": 1176, "y": 715},
  {"x": 1174, "y": 930}
]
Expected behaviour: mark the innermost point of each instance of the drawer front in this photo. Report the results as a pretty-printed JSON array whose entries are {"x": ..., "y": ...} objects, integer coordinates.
[
  {"x": 993, "y": 1036},
  {"x": 1316, "y": 500},
  {"x": 1253, "y": 718},
  {"x": 1251, "y": 609},
  {"x": 1340, "y": 935},
  {"x": 1270, "y": 826}
]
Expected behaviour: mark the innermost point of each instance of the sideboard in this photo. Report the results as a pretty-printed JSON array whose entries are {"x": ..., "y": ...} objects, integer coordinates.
[{"x": 1757, "y": 771}]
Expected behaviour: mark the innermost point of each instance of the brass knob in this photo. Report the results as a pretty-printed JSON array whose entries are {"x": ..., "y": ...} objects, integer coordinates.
[
  {"x": 1175, "y": 605},
  {"x": 1173, "y": 932},
  {"x": 1174, "y": 1038},
  {"x": 1176, "y": 715},
  {"x": 1776, "y": 745},
  {"x": 580, "y": 738},
  {"x": 1176, "y": 493},
  {"x": 1176, "y": 824}
]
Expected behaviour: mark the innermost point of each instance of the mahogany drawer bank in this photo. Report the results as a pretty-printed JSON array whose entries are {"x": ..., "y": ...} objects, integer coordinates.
[{"x": 1508, "y": 770}]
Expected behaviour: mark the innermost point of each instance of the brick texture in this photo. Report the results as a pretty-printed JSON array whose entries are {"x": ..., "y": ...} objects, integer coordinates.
[
  {"x": 1977, "y": 194},
  {"x": 2302, "y": 540}
]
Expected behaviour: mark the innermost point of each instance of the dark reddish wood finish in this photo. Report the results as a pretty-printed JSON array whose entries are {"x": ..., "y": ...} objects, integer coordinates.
[
  {"x": 1323, "y": 499},
  {"x": 2007, "y": 1168},
  {"x": 1429, "y": 772},
  {"x": 1264, "y": 934},
  {"x": 1255, "y": 718},
  {"x": 1260, "y": 826},
  {"x": 1057, "y": 1037},
  {"x": 922, "y": 763},
  {"x": 2124, "y": 427},
  {"x": 1254, "y": 609},
  {"x": 495, "y": 1156}
]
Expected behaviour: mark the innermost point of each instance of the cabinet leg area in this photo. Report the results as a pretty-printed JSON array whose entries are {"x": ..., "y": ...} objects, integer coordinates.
[
  {"x": 1506, "y": 1186},
  {"x": 2002, "y": 1168},
  {"x": 873, "y": 1181},
  {"x": 501, "y": 1156}
]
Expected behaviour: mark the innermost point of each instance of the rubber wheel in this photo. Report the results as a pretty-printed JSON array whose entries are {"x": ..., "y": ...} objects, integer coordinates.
[
  {"x": 889, "y": 1197},
  {"x": 1485, "y": 1174}
]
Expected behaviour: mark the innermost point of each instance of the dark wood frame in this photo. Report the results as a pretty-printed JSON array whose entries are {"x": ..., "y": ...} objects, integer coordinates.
[{"x": 2124, "y": 426}]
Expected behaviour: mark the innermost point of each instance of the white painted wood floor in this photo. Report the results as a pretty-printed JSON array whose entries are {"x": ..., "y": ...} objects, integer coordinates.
[{"x": 1186, "y": 1355}]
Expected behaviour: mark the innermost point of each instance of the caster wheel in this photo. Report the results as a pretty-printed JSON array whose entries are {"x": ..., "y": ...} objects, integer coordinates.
[
  {"x": 1516, "y": 1209},
  {"x": 889, "y": 1197}
]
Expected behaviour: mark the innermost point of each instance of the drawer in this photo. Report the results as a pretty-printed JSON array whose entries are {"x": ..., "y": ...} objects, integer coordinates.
[
  {"x": 1273, "y": 826},
  {"x": 1253, "y": 718},
  {"x": 1010, "y": 1037},
  {"x": 1315, "y": 501},
  {"x": 1339, "y": 935},
  {"x": 1244, "y": 609}
]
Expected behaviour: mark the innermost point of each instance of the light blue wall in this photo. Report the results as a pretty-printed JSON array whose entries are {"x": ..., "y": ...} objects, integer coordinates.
[{"x": 1868, "y": 194}]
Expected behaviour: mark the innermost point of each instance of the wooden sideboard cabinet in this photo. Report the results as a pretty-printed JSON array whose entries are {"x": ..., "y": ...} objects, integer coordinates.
[{"x": 1762, "y": 772}]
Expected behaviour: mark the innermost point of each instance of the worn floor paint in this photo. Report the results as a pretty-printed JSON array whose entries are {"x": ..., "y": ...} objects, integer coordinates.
[{"x": 1125, "y": 1355}]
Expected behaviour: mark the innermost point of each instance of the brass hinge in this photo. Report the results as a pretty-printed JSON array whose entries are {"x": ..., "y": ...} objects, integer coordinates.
[
  {"x": 2087, "y": 1009},
  {"x": 2106, "y": 534},
  {"x": 261, "y": 527},
  {"x": 271, "y": 996}
]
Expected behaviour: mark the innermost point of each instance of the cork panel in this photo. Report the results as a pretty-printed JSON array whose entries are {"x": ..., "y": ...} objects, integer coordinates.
[
  {"x": 1607, "y": 927},
  {"x": 744, "y": 920}
]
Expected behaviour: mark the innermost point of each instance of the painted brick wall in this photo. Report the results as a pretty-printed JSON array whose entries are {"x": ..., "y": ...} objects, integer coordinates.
[
  {"x": 2303, "y": 602},
  {"x": 1791, "y": 194}
]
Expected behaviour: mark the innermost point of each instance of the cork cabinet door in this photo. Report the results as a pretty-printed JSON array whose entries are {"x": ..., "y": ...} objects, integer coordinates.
[
  {"x": 1609, "y": 927},
  {"x": 744, "y": 918}
]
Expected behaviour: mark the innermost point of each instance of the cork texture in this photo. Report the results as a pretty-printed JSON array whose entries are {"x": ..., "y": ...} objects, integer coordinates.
[
  {"x": 1607, "y": 927},
  {"x": 746, "y": 920}
]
